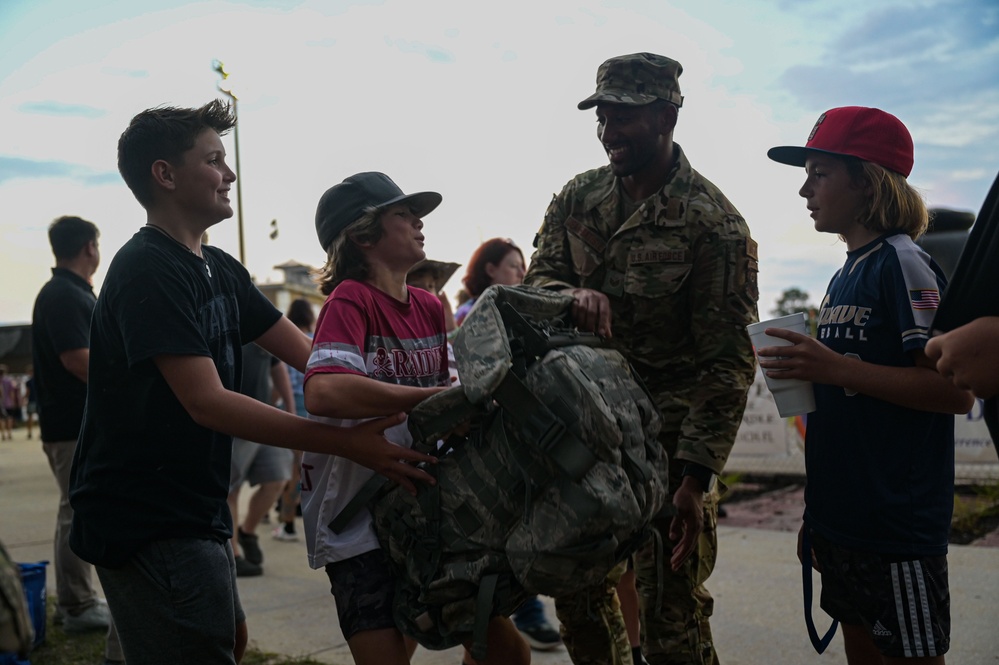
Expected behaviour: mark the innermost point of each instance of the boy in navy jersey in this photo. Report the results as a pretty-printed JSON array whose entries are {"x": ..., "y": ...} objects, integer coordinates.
[
  {"x": 879, "y": 449},
  {"x": 379, "y": 348}
]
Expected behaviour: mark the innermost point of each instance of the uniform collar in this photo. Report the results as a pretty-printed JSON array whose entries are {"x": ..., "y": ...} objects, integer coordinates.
[{"x": 667, "y": 207}]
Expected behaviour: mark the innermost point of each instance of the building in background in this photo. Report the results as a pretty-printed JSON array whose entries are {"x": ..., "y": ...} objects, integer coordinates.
[{"x": 15, "y": 339}]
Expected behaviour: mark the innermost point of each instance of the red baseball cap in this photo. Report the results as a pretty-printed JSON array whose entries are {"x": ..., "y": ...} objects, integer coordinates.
[{"x": 857, "y": 131}]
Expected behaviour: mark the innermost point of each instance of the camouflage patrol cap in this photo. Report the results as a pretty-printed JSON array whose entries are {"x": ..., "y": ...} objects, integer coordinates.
[{"x": 636, "y": 79}]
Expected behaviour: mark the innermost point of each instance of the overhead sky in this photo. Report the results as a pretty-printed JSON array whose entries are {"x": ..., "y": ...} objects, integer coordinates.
[{"x": 476, "y": 100}]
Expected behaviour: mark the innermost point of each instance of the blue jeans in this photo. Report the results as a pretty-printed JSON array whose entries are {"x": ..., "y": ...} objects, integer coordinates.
[{"x": 175, "y": 601}]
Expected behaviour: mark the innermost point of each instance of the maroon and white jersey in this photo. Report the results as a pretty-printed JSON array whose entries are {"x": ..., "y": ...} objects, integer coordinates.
[{"x": 362, "y": 330}]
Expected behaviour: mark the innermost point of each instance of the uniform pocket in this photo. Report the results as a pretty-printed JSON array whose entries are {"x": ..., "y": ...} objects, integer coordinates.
[{"x": 585, "y": 247}]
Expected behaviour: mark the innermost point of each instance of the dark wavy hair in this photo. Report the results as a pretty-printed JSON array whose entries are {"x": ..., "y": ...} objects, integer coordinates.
[
  {"x": 300, "y": 313},
  {"x": 491, "y": 251},
  {"x": 165, "y": 132},
  {"x": 68, "y": 236}
]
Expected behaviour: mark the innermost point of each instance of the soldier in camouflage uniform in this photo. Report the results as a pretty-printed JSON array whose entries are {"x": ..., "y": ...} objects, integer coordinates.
[{"x": 663, "y": 265}]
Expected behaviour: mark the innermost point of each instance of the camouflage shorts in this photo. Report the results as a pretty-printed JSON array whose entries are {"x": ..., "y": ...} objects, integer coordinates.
[
  {"x": 903, "y": 603},
  {"x": 363, "y": 588}
]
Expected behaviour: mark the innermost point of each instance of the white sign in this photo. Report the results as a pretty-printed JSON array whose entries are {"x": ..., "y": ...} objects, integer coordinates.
[{"x": 767, "y": 443}]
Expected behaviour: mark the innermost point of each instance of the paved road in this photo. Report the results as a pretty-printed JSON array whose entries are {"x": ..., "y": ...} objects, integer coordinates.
[{"x": 756, "y": 587}]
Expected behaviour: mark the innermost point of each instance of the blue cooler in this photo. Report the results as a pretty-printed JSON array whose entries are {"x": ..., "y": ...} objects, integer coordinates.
[{"x": 33, "y": 581}]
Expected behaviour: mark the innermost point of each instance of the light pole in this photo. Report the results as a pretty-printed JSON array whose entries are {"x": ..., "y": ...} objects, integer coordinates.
[{"x": 219, "y": 67}]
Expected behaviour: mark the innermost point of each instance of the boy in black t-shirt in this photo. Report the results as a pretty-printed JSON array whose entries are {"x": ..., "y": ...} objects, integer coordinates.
[{"x": 151, "y": 472}]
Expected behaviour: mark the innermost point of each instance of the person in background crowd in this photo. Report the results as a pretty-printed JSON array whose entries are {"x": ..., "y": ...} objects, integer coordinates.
[
  {"x": 266, "y": 467},
  {"x": 431, "y": 276},
  {"x": 30, "y": 402},
  {"x": 300, "y": 313},
  {"x": 496, "y": 261},
  {"x": 60, "y": 347},
  {"x": 10, "y": 403}
]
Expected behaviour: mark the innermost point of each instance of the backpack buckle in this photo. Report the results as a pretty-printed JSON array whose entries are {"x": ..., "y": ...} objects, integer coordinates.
[{"x": 552, "y": 434}]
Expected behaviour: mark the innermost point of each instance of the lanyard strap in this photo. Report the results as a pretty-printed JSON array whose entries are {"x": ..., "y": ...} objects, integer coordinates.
[{"x": 806, "y": 585}]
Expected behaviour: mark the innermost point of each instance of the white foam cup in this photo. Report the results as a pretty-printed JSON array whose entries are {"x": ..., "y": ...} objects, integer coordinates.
[{"x": 793, "y": 396}]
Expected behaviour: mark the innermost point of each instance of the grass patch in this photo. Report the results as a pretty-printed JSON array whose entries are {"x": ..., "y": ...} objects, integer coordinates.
[
  {"x": 976, "y": 512},
  {"x": 88, "y": 648}
]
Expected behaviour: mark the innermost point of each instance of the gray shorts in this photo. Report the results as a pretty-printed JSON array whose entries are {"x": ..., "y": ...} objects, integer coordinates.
[
  {"x": 175, "y": 601},
  {"x": 258, "y": 463}
]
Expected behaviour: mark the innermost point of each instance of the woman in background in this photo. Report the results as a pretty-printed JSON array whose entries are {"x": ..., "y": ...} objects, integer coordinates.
[
  {"x": 496, "y": 261},
  {"x": 300, "y": 313}
]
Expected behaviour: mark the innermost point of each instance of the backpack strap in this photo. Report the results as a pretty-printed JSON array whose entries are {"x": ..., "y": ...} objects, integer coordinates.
[
  {"x": 540, "y": 422},
  {"x": 819, "y": 644},
  {"x": 367, "y": 492},
  {"x": 483, "y": 613}
]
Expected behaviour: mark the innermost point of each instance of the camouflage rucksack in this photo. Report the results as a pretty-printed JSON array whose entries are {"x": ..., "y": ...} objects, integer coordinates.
[{"x": 557, "y": 480}]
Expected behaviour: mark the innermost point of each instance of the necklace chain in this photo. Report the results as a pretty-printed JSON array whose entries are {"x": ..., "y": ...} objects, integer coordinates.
[{"x": 170, "y": 235}]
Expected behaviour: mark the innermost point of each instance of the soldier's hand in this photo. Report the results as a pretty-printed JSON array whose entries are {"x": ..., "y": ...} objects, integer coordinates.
[
  {"x": 591, "y": 311},
  {"x": 688, "y": 522}
]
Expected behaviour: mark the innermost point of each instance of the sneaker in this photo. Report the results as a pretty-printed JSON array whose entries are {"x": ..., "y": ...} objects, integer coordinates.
[
  {"x": 245, "y": 568},
  {"x": 281, "y": 533},
  {"x": 541, "y": 636},
  {"x": 250, "y": 544},
  {"x": 95, "y": 617}
]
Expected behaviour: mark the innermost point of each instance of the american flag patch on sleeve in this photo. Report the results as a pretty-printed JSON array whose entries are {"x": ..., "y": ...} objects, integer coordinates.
[{"x": 924, "y": 298}]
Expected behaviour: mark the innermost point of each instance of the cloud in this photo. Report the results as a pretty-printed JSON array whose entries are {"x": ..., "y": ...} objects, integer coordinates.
[
  {"x": 936, "y": 66},
  {"x": 432, "y": 53},
  {"x": 948, "y": 31},
  {"x": 16, "y": 167},
  {"x": 902, "y": 55},
  {"x": 50, "y": 107},
  {"x": 128, "y": 73}
]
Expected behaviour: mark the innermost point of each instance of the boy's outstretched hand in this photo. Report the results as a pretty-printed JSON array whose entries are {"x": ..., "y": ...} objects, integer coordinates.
[{"x": 368, "y": 447}]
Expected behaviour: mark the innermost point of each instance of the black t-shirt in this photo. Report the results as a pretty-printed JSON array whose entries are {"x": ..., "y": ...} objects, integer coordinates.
[
  {"x": 144, "y": 470},
  {"x": 60, "y": 322}
]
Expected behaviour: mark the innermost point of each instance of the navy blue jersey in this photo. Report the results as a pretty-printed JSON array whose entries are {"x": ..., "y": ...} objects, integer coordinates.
[{"x": 880, "y": 476}]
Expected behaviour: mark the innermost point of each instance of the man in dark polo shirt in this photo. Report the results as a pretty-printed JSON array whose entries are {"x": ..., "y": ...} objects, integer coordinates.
[{"x": 60, "y": 342}]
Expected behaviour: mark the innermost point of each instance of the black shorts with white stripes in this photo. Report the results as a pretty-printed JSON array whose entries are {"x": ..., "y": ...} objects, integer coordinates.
[{"x": 903, "y": 603}]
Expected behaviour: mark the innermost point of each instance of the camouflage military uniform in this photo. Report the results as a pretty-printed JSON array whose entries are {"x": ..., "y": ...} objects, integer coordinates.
[{"x": 680, "y": 275}]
